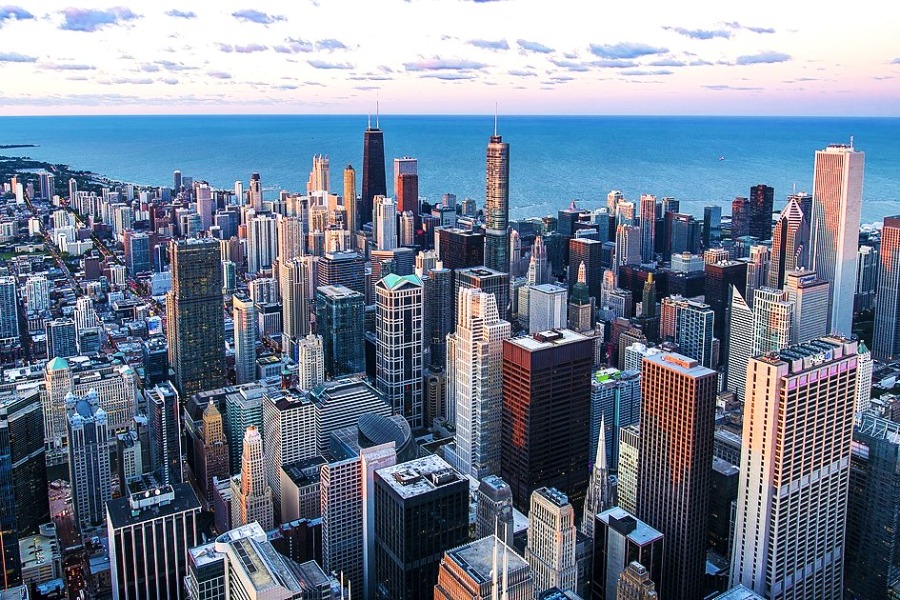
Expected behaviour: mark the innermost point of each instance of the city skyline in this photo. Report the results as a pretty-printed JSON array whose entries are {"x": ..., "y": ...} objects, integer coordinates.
[{"x": 461, "y": 57}]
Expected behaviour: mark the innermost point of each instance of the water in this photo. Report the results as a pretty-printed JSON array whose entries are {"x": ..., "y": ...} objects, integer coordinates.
[{"x": 553, "y": 159}]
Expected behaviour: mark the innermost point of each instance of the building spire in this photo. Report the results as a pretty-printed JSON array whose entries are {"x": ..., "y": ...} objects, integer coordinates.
[
  {"x": 377, "y": 116},
  {"x": 495, "y": 119},
  {"x": 582, "y": 273}
]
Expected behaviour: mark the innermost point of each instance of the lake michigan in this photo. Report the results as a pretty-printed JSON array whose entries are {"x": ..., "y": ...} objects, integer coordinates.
[{"x": 553, "y": 159}]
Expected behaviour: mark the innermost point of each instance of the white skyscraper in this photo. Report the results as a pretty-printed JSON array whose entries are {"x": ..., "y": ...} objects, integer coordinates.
[
  {"x": 298, "y": 285},
  {"x": 863, "y": 378},
  {"x": 792, "y": 498},
  {"x": 757, "y": 270},
  {"x": 740, "y": 332},
  {"x": 547, "y": 307},
  {"x": 628, "y": 245},
  {"x": 251, "y": 497},
  {"x": 385, "y": 220},
  {"x": 477, "y": 382},
  {"x": 810, "y": 296},
  {"x": 262, "y": 243},
  {"x": 773, "y": 317},
  {"x": 310, "y": 362},
  {"x": 289, "y": 423},
  {"x": 398, "y": 331},
  {"x": 551, "y": 541},
  {"x": 834, "y": 227},
  {"x": 245, "y": 336}
]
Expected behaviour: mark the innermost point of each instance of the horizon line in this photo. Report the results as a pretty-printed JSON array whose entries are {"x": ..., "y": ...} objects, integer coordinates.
[{"x": 473, "y": 114}]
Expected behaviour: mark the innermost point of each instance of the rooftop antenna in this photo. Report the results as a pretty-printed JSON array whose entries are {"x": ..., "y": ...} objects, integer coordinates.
[
  {"x": 495, "y": 120},
  {"x": 794, "y": 189},
  {"x": 851, "y": 142},
  {"x": 377, "y": 126},
  {"x": 369, "y": 121}
]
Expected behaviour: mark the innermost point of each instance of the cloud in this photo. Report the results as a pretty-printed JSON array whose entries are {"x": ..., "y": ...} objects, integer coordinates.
[
  {"x": 15, "y": 57},
  {"x": 181, "y": 14},
  {"x": 667, "y": 62},
  {"x": 89, "y": 20},
  {"x": 366, "y": 88},
  {"x": 68, "y": 67},
  {"x": 219, "y": 74},
  {"x": 608, "y": 63},
  {"x": 522, "y": 73},
  {"x": 625, "y": 50},
  {"x": 294, "y": 46},
  {"x": 534, "y": 47},
  {"x": 896, "y": 61},
  {"x": 169, "y": 65},
  {"x": 700, "y": 34},
  {"x": 250, "y": 48},
  {"x": 331, "y": 45},
  {"x": 449, "y": 76},
  {"x": 732, "y": 88},
  {"x": 571, "y": 66},
  {"x": 442, "y": 64},
  {"x": 370, "y": 77},
  {"x": 489, "y": 44},
  {"x": 13, "y": 13},
  {"x": 250, "y": 15},
  {"x": 645, "y": 72},
  {"x": 699, "y": 63},
  {"x": 570, "y": 55},
  {"x": 763, "y": 58},
  {"x": 149, "y": 68},
  {"x": 736, "y": 25},
  {"x": 169, "y": 81},
  {"x": 322, "y": 64}
]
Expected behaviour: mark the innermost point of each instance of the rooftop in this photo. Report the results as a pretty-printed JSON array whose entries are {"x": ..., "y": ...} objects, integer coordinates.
[
  {"x": 624, "y": 522},
  {"x": 739, "y": 592},
  {"x": 133, "y": 510},
  {"x": 680, "y": 363},
  {"x": 548, "y": 339},
  {"x": 419, "y": 476},
  {"x": 477, "y": 558}
]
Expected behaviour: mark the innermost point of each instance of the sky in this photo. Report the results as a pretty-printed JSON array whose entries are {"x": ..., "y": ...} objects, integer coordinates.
[{"x": 451, "y": 57}]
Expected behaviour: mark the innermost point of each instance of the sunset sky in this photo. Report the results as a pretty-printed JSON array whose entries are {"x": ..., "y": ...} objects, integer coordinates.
[{"x": 451, "y": 56}]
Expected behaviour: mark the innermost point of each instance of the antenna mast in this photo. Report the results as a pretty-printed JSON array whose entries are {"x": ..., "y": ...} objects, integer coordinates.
[{"x": 495, "y": 120}]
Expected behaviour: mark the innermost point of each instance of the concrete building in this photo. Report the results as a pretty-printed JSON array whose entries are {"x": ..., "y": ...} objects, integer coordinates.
[
  {"x": 89, "y": 468},
  {"x": 482, "y": 570},
  {"x": 551, "y": 541},
  {"x": 251, "y": 496},
  {"x": 620, "y": 540}
]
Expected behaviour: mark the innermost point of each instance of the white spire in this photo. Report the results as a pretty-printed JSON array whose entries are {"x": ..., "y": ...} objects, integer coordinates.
[
  {"x": 600, "y": 462},
  {"x": 494, "y": 582},
  {"x": 495, "y": 121},
  {"x": 377, "y": 119},
  {"x": 505, "y": 594}
]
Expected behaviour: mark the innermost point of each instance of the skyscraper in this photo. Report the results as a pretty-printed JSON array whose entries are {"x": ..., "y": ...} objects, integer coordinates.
[
  {"x": 426, "y": 491},
  {"x": 587, "y": 251},
  {"x": 298, "y": 283},
  {"x": 459, "y": 248},
  {"x": 310, "y": 362},
  {"x": 406, "y": 184},
  {"x": 163, "y": 416},
  {"x": 648, "y": 228},
  {"x": 740, "y": 344},
  {"x": 694, "y": 331},
  {"x": 373, "y": 176},
  {"x": 256, "y": 194},
  {"x": 9, "y": 314},
  {"x": 546, "y": 414},
  {"x": 635, "y": 584},
  {"x": 262, "y": 243},
  {"x": 761, "y": 199},
  {"x": 246, "y": 332},
  {"x": 213, "y": 454},
  {"x": 251, "y": 497},
  {"x": 740, "y": 217},
  {"x": 792, "y": 498},
  {"x": 438, "y": 301},
  {"x": 496, "y": 204},
  {"x": 398, "y": 330},
  {"x": 350, "y": 200},
  {"x": 340, "y": 315},
  {"x": 677, "y": 421},
  {"x": 790, "y": 243},
  {"x": 773, "y": 319},
  {"x": 290, "y": 426},
  {"x": 494, "y": 510},
  {"x": 620, "y": 540},
  {"x": 757, "y": 269},
  {"x": 89, "y": 469},
  {"x": 61, "y": 338},
  {"x": 886, "y": 343},
  {"x": 810, "y": 296},
  {"x": 720, "y": 276},
  {"x": 866, "y": 279},
  {"x": 385, "y": 222},
  {"x": 834, "y": 226},
  {"x": 551, "y": 541},
  {"x": 474, "y": 372},
  {"x": 872, "y": 540},
  {"x": 195, "y": 324},
  {"x": 483, "y": 569},
  {"x": 150, "y": 533}
]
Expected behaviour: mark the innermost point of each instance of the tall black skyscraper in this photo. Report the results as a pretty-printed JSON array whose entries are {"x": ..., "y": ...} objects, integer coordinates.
[
  {"x": 373, "y": 175},
  {"x": 195, "y": 327},
  {"x": 761, "y": 202}
]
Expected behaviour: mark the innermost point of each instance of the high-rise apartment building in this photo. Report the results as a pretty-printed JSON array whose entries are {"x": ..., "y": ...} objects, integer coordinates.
[
  {"x": 373, "y": 175},
  {"x": 350, "y": 200},
  {"x": 438, "y": 301},
  {"x": 62, "y": 340},
  {"x": 406, "y": 184},
  {"x": 757, "y": 269},
  {"x": 761, "y": 200},
  {"x": 385, "y": 223},
  {"x": 834, "y": 227},
  {"x": 872, "y": 540},
  {"x": 677, "y": 421},
  {"x": 398, "y": 330},
  {"x": 621, "y": 540},
  {"x": 9, "y": 315},
  {"x": 150, "y": 533},
  {"x": 551, "y": 541},
  {"x": 163, "y": 418},
  {"x": 297, "y": 277},
  {"x": 426, "y": 491},
  {"x": 886, "y": 342},
  {"x": 648, "y": 228},
  {"x": 474, "y": 372},
  {"x": 289, "y": 423},
  {"x": 310, "y": 362},
  {"x": 262, "y": 243},
  {"x": 866, "y": 279},
  {"x": 251, "y": 497},
  {"x": 496, "y": 205},
  {"x": 810, "y": 296},
  {"x": 255, "y": 193},
  {"x": 89, "y": 469},
  {"x": 246, "y": 332},
  {"x": 790, "y": 243},
  {"x": 195, "y": 324},
  {"x": 546, "y": 414},
  {"x": 792, "y": 498}
]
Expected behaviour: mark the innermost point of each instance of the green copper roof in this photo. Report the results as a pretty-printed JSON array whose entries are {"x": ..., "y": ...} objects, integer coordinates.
[
  {"x": 57, "y": 364},
  {"x": 393, "y": 281},
  {"x": 862, "y": 348}
]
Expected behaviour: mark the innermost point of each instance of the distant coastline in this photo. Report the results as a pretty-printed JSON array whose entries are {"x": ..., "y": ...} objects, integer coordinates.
[{"x": 11, "y": 146}]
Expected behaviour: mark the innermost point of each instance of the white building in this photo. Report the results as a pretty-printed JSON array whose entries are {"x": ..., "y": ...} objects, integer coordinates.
[
  {"x": 310, "y": 362},
  {"x": 251, "y": 497},
  {"x": 245, "y": 337},
  {"x": 547, "y": 307},
  {"x": 385, "y": 223},
  {"x": 551, "y": 541},
  {"x": 289, "y": 423}
]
